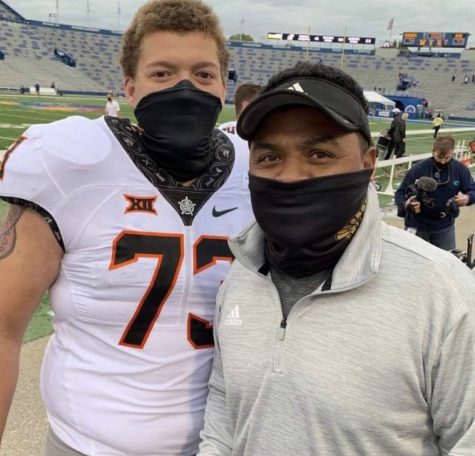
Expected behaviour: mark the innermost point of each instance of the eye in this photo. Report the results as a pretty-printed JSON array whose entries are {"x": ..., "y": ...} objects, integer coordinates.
[
  {"x": 205, "y": 75},
  {"x": 266, "y": 159},
  {"x": 319, "y": 155},
  {"x": 160, "y": 74}
]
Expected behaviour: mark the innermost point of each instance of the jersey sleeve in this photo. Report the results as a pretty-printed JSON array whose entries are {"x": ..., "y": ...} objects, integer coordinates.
[
  {"x": 23, "y": 175},
  {"x": 49, "y": 163}
]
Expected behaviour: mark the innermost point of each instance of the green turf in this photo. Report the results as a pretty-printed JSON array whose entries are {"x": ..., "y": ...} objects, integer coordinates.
[
  {"x": 17, "y": 112},
  {"x": 40, "y": 324},
  {"x": 3, "y": 209}
]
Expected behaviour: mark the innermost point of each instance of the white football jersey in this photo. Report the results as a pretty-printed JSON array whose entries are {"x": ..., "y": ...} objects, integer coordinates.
[
  {"x": 229, "y": 127},
  {"x": 242, "y": 147},
  {"x": 126, "y": 370}
]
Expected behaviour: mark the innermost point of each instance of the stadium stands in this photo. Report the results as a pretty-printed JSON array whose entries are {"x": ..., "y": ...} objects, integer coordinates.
[
  {"x": 8, "y": 13},
  {"x": 28, "y": 59},
  {"x": 374, "y": 72},
  {"x": 29, "y": 56}
]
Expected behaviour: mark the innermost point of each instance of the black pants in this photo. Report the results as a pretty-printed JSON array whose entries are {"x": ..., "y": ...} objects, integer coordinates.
[
  {"x": 436, "y": 129},
  {"x": 399, "y": 148}
]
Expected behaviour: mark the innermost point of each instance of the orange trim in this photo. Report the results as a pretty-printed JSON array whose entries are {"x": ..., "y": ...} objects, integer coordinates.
[
  {"x": 215, "y": 258},
  {"x": 159, "y": 258},
  {"x": 129, "y": 199},
  {"x": 208, "y": 325},
  {"x": 9, "y": 151}
]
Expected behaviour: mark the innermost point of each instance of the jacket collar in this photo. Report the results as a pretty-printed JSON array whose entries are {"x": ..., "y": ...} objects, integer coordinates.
[{"x": 358, "y": 264}]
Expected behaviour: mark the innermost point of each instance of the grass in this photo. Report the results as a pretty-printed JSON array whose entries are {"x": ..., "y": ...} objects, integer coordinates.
[
  {"x": 40, "y": 324},
  {"x": 18, "y": 112}
]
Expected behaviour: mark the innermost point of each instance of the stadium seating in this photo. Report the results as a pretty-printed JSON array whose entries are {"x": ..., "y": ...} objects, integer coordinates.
[
  {"x": 373, "y": 72},
  {"x": 6, "y": 12},
  {"x": 29, "y": 57}
]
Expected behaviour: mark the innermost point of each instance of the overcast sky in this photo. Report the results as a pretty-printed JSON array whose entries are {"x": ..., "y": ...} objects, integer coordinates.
[{"x": 257, "y": 17}]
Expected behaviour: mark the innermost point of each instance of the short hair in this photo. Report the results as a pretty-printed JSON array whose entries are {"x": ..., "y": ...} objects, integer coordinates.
[
  {"x": 247, "y": 91},
  {"x": 444, "y": 144},
  {"x": 321, "y": 71},
  {"x": 179, "y": 16}
]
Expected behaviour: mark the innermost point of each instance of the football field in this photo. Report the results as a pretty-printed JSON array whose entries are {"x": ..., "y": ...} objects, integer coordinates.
[{"x": 18, "y": 112}]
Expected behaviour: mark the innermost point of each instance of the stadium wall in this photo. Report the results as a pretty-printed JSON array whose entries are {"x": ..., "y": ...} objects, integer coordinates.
[
  {"x": 10, "y": 10},
  {"x": 286, "y": 47},
  {"x": 77, "y": 28}
]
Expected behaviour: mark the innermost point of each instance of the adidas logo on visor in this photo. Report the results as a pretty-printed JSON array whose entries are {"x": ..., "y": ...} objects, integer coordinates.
[{"x": 297, "y": 88}]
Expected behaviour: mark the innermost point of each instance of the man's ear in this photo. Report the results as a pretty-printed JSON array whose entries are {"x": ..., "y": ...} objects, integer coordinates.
[
  {"x": 129, "y": 91},
  {"x": 223, "y": 93},
  {"x": 369, "y": 158}
]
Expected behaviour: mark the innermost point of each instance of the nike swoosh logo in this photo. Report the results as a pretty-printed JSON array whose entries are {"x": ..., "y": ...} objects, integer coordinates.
[{"x": 220, "y": 213}]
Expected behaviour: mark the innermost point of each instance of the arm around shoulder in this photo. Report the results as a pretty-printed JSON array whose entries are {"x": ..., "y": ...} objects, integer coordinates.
[{"x": 30, "y": 259}]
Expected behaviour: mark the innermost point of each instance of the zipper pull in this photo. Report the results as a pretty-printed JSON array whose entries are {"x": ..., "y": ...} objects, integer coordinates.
[{"x": 281, "y": 331}]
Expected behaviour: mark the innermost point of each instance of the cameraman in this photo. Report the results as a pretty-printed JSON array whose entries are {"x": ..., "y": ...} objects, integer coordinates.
[{"x": 430, "y": 213}]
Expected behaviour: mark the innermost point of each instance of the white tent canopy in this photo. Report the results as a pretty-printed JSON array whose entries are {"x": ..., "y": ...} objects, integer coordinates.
[{"x": 377, "y": 101}]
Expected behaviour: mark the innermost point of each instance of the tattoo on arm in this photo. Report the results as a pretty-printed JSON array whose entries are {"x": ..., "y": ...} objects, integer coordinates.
[{"x": 8, "y": 230}]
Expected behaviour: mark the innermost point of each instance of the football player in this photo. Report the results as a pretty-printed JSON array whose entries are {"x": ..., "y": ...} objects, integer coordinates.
[
  {"x": 127, "y": 228},
  {"x": 244, "y": 94}
]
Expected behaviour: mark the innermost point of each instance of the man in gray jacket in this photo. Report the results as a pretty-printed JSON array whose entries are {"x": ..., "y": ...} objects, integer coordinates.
[{"x": 320, "y": 349}]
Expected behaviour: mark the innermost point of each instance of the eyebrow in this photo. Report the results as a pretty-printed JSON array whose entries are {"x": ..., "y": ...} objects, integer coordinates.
[
  {"x": 204, "y": 64},
  {"x": 264, "y": 145},
  {"x": 312, "y": 141},
  {"x": 171, "y": 66},
  {"x": 161, "y": 63}
]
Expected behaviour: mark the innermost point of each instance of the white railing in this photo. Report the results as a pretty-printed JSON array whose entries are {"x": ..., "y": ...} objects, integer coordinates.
[{"x": 461, "y": 152}]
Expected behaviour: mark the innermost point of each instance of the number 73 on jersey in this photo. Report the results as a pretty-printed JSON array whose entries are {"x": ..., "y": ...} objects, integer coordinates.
[{"x": 130, "y": 246}]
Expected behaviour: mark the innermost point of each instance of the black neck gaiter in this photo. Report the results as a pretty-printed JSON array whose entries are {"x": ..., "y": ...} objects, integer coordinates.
[
  {"x": 308, "y": 224},
  {"x": 440, "y": 166},
  {"x": 177, "y": 126}
]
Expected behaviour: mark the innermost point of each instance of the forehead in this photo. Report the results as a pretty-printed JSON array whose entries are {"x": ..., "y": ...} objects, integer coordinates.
[
  {"x": 178, "y": 47},
  {"x": 443, "y": 153},
  {"x": 298, "y": 122}
]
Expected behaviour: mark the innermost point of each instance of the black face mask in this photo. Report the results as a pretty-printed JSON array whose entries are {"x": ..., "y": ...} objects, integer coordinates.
[
  {"x": 309, "y": 223},
  {"x": 177, "y": 126}
]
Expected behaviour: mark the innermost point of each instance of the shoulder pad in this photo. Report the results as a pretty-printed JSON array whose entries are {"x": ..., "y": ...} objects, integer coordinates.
[{"x": 75, "y": 139}]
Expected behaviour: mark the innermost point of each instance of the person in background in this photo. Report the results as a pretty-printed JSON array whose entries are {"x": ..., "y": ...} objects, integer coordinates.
[
  {"x": 244, "y": 94},
  {"x": 431, "y": 214},
  {"x": 397, "y": 133},
  {"x": 112, "y": 107},
  {"x": 437, "y": 123},
  {"x": 322, "y": 347},
  {"x": 127, "y": 228}
]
